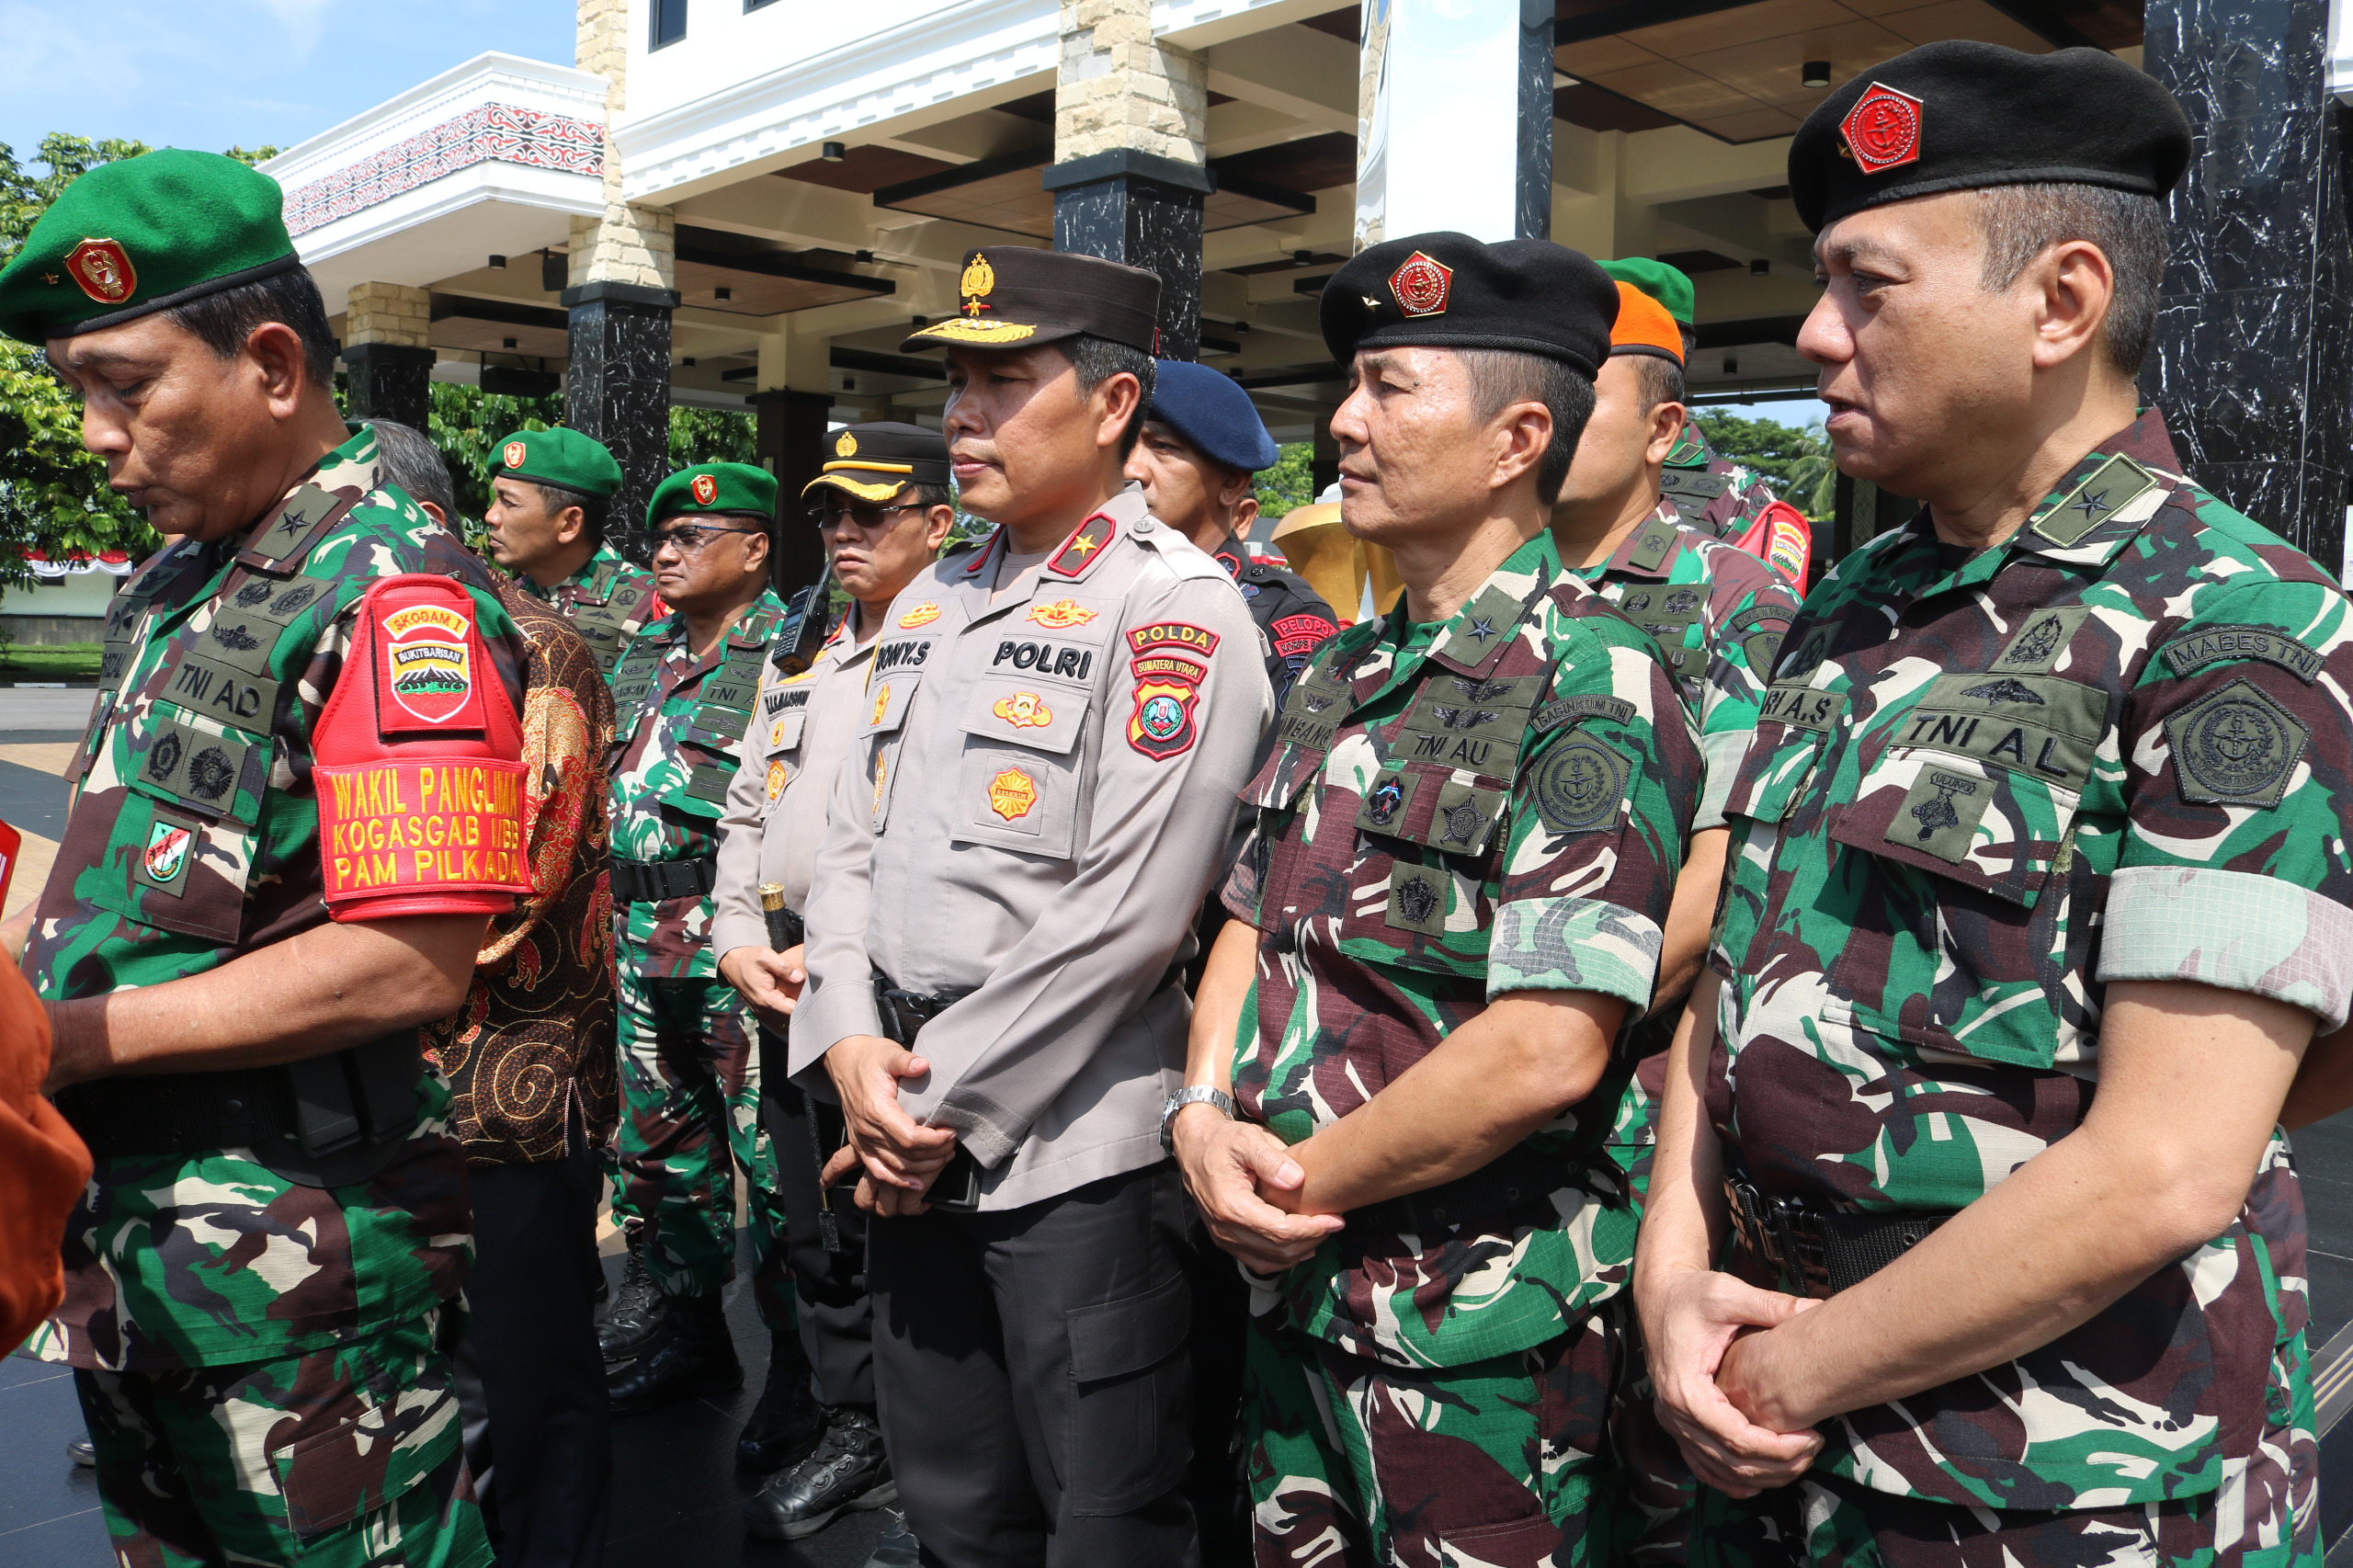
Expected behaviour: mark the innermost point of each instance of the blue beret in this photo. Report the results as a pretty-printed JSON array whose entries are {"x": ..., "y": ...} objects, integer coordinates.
[{"x": 1205, "y": 408}]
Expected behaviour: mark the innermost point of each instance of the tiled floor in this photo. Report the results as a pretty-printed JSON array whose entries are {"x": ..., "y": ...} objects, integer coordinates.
[{"x": 676, "y": 1498}]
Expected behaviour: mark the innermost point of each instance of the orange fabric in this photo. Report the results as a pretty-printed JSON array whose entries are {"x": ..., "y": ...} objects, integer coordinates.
[
  {"x": 43, "y": 1166},
  {"x": 1644, "y": 324}
]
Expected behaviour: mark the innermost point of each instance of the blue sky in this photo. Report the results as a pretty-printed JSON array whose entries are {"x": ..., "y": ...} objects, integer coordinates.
[
  {"x": 214, "y": 74},
  {"x": 1797, "y": 412}
]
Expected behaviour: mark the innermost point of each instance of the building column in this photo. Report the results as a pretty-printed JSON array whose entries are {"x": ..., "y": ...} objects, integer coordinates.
[
  {"x": 791, "y": 439},
  {"x": 616, "y": 381},
  {"x": 387, "y": 357},
  {"x": 1131, "y": 130},
  {"x": 2253, "y": 362},
  {"x": 1438, "y": 145}
]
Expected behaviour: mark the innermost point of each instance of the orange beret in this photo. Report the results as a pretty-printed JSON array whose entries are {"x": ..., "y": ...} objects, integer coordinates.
[{"x": 1643, "y": 326}]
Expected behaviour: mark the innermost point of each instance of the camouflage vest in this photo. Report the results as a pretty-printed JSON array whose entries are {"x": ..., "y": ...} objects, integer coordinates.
[
  {"x": 602, "y": 609},
  {"x": 189, "y": 722},
  {"x": 721, "y": 711}
]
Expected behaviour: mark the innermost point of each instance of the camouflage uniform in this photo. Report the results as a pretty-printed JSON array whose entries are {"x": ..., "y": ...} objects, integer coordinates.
[
  {"x": 1719, "y": 613},
  {"x": 609, "y": 601},
  {"x": 1440, "y": 1384},
  {"x": 2115, "y": 747},
  {"x": 262, "y": 1363},
  {"x": 1719, "y": 497},
  {"x": 691, "y": 1081}
]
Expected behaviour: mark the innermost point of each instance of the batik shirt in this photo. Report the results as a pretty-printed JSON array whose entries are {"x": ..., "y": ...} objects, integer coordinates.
[
  {"x": 1985, "y": 785},
  {"x": 609, "y": 601},
  {"x": 535, "y": 1037},
  {"x": 193, "y": 838},
  {"x": 1494, "y": 804},
  {"x": 679, "y": 740}
]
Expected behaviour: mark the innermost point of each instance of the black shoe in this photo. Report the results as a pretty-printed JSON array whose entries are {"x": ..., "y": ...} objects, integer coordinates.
[
  {"x": 849, "y": 1469},
  {"x": 82, "y": 1451},
  {"x": 898, "y": 1548},
  {"x": 690, "y": 1356},
  {"x": 637, "y": 1311},
  {"x": 787, "y": 1423}
]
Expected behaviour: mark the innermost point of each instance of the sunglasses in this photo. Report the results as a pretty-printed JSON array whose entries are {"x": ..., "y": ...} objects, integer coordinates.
[
  {"x": 691, "y": 539},
  {"x": 866, "y": 517}
]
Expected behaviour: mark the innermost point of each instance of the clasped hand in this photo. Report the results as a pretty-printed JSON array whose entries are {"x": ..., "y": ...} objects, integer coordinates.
[
  {"x": 900, "y": 1157},
  {"x": 770, "y": 982},
  {"x": 1248, "y": 1187},
  {"x": 1691, "y": 1318}
]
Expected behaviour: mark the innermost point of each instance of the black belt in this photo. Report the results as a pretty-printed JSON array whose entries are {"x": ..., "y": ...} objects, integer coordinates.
[
  {"x": 327, "y": 1122},
  {"x": 904, "y": 1013},
  {"x": 1821, "y": 1251},
  {"x": 1511, "y": 1178},
  {"x": 655, "y": 882}
]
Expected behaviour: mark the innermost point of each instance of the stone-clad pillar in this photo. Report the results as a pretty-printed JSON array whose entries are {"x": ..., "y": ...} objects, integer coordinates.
[
  {"x": 1131, "y": 130},
  {"x": 387, "y": 357},
  {"x": 617, "y": 382},
  {"x": 790, "y": 438},
  {"x": 2253, "y": 362},
  {"x": 1438, "y": 147}
]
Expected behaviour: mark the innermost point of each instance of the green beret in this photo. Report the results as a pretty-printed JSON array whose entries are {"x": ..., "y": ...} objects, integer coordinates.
[
  {"x": 557, "y": 456},
  {"x": 713, "y": 487},
  {"x": 144, "y": 234},
  {"x": 1666, "y": 284}
]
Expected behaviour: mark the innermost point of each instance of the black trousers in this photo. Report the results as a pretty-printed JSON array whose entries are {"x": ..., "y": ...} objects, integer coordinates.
[
  {"x": 531, "y": 1380},
  {"x": 828, "y": 1260},
  {"x": 1033, "y": 1369}
]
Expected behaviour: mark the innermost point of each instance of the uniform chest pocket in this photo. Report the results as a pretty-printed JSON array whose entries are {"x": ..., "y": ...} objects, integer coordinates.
[
  {"x": 783, "y": 732},
  {"x": 1401, "y": 903},
  {"x": 1044, "y": 715},
  {"x": 187, "y": 821},
  {"x": 1015, "y": 797},
  {"x": 1793, "y": 727}
]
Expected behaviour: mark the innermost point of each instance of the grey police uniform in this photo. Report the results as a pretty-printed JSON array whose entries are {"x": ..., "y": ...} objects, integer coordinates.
[{"x": 1040, "y": 797}]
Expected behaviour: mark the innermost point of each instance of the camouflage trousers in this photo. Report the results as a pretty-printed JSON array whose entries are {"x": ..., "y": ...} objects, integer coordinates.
[
  {"x": 2264, "y": 1514},
  {"x": 690, "y": 1118},
  {"x": 343, "y": 1458},
  {"x": 1501, "y": 1463}
]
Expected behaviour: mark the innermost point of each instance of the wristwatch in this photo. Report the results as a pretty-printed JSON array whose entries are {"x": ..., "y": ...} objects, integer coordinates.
[{"x": 1193, "y": 1093}]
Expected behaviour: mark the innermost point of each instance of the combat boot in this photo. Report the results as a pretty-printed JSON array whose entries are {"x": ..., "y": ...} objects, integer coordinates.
[
  {"x": 690, "y": 1355},
  {"x": 637, "y": 1307},
  {"x": 787, "y": 1423},
  {"x": 848, "y": 1470}
]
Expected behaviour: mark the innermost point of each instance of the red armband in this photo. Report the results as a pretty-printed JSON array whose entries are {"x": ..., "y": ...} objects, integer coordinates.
[
  {"x": 1781, "y": 538},
  {"x": 418, "y": 769}
]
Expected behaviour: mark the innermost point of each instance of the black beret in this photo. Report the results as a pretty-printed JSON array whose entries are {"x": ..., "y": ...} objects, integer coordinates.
[
  {"x": 1011, "y": 296},
  {"x": 1449, "y": 291},
  {"x": 1209, "y": 410},
  {"x": 875, "y": 462},
  {"x": 1960, "y": 114}
]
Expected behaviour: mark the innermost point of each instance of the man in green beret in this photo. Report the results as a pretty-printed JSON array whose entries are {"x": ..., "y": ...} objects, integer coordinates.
[
  {"x": 690, "y": 1083},
  {"x": 1724, "y": 499},
  {"x": 236, "y": 958},
  {"x": 551, "y": 494},
  {"x": 2038, "y": 891}
]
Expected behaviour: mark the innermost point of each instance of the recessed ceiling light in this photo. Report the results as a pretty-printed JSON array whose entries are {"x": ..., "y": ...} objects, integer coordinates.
[{"x": 1814, "y": 74}]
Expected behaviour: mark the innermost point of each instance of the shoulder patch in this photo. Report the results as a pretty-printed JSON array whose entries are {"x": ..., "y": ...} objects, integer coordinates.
[
  {"x": 2215, "y": 644},
  {"x": 1299, "y": 633},
  {"x": 2102, "y": 494},
  {"x": 1085, "y": 542},
  {"x": 2236, "y": 747},
  {"x": 1170, "y": 663},
  {"x": 1579, "y": 785}
]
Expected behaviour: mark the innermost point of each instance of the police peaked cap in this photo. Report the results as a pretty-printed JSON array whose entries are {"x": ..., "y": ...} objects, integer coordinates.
[
  {"x": 1449, "y": 291},
  {"x": 874, "y": 462},
  {"x": 1958, "y": 115},
  {"x": 1212, "y": 414},
  {"x": 1013, "y": 296}
]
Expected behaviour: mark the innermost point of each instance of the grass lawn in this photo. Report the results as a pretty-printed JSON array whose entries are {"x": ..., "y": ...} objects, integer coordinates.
[{"x": 62, "y": 661}]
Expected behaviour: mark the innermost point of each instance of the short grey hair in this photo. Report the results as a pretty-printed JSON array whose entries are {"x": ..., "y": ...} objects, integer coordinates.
[
  {"x": 2021, "y": 222},
  {"x": 411, "y": 462},
  {"x": 1501, "y": 377}
]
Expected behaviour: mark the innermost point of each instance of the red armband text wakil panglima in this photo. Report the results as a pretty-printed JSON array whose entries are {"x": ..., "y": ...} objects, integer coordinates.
[{"x": 420, "y": 785}]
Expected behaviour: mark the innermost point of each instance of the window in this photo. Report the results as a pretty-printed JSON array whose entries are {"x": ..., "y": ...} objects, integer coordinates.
[{"x": 669, "y": 21}]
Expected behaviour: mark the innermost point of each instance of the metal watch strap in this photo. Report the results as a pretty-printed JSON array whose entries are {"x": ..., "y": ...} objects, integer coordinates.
[{"x": 1193, "y": 1093}]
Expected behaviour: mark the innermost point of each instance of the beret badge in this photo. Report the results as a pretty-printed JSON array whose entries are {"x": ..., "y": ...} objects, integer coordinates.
[
  {"x": 847, "y": 447},
  {"x": 978, "y": 278},
  {"x": 706, "y": 489},
  {"x": 103, "y": 269},
  {"x": 1882, "y": 130},
  {"x": 513, "y": 456},
  {"x": 1420, "y": 285}
]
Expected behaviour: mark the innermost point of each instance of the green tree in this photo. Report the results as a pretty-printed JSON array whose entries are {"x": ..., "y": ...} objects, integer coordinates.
[
  {"x": 1795, "y": 463},
  {"x": 711, "y": 436},
  {"x": 1290, "y": 483},
  {"x": 465, "y": 421}
]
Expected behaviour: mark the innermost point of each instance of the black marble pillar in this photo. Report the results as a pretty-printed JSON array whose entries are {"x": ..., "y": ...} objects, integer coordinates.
[
  {"x": 384, "y": 380},
  {"x": 2253, "y": 362},
  {"x": 617, "y": 386},
  {"x": 1533, "y": 185},
  {"x": 790, "y": 438},
  {"x": 1144, "y": 210}
]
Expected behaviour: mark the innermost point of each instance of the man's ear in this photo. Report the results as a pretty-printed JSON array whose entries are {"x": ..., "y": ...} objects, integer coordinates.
[
  {"x": 570, "y": 524},
  {"x": 935, "y": 526},
  {"x": 1118, "y": 397},
  {"x": 275, "y": 351},
  {"x": 1524, "y": 433},
  {"x": 1667, "y": 420},
  {"x": 755, "y": 551},
  {"x": 434, "y": 512}
]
